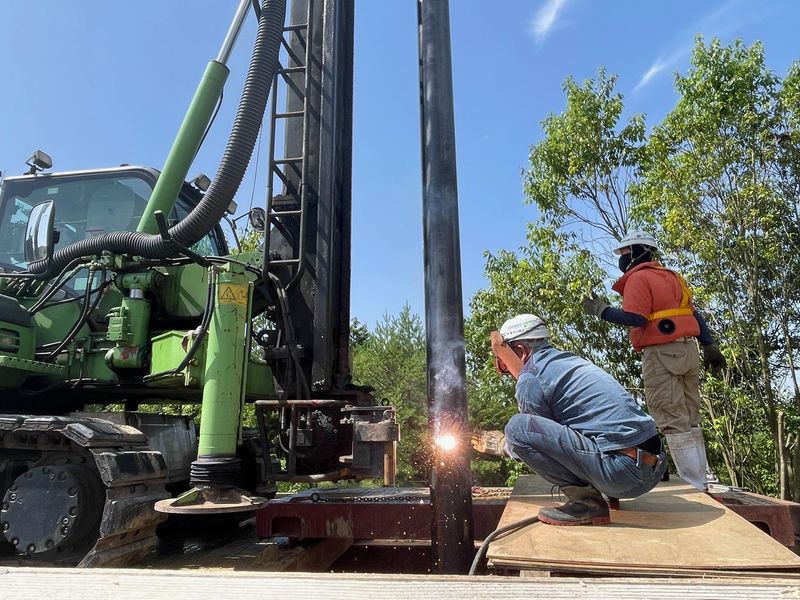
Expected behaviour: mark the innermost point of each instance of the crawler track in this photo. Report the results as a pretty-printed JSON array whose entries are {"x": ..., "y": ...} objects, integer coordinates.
[{"x": 79, "y": 491}]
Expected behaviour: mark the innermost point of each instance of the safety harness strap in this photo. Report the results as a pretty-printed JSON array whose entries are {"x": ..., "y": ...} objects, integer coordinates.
[
  {"x": 685, "y": 308},
  {"x": 670, "y": 312}
]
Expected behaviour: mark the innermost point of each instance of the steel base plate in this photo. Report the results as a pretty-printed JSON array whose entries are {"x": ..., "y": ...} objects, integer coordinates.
[{"x": 209, "y": 500}]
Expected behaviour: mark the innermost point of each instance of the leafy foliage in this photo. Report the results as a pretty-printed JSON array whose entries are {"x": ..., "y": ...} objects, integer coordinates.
[
  {"x": 720, "y": 183},
  {"x": 580, "y": 172},
  {"x": 391, "y": 359}
]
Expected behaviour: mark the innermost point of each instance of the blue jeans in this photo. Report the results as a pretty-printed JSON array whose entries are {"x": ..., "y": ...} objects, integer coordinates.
[{"x": 565, "y": 457}]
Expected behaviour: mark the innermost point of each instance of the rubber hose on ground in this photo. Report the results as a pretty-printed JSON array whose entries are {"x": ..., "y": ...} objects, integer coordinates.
[{"x": 263, "y": 67}]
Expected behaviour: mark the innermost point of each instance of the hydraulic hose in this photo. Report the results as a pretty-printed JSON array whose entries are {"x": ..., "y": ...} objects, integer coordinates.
[{"x": 263, "y": 68}]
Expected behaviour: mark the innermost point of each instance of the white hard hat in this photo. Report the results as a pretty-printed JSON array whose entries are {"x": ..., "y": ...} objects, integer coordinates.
[
  {"x": 636, "y": 238},
  {"x": 524, "y": 327}
]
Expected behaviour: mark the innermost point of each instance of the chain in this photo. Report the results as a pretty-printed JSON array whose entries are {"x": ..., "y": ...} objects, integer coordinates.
[
  {"x": 477, "y": 492},
  {"x": 490, "y": 492},
  {"x": 367, "y": 499}
]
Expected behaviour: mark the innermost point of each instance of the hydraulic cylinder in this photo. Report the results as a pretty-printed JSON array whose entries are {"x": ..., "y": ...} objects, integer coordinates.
[{"x": 225, "y": 374}]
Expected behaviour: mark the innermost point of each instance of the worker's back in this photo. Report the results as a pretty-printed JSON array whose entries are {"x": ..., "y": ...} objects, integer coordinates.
[{"x": 577, "y": 393}]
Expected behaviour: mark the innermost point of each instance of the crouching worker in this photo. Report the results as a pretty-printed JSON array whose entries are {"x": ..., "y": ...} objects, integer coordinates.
[{"x": 577, "y": 427}]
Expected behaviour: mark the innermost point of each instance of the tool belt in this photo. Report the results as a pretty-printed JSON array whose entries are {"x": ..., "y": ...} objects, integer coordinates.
[{"x": 637, "y": 454}]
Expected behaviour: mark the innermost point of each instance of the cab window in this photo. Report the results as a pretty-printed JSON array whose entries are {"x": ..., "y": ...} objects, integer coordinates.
[{"x": 86, "y": 206}]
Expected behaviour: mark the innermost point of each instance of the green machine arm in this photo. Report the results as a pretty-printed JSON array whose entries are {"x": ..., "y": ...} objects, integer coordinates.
[
  {"x": 193, "y": 128},
  {"x": 185, "y": 146}
]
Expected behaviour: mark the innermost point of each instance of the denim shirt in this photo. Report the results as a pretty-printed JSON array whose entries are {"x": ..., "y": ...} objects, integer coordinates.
[{"x": 574, "y": 392}]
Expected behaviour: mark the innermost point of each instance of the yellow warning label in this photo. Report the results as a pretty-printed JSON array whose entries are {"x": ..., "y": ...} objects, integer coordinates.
[{"x": 233, "y": 294}]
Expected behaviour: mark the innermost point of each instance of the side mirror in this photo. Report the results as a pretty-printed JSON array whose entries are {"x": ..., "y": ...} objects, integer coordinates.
[
  {"x": 257, "y": 217},
  {"x": 39, "y": 239}
]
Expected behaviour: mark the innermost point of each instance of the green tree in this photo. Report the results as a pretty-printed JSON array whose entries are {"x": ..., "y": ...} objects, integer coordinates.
[
  {"x": 721, "y": 184},
  {"x": 580, "y": 173},
  {"x": 359, "y": 334},
  {"x": 391, "y": 360},
  {"x": 579, "y": 178}
]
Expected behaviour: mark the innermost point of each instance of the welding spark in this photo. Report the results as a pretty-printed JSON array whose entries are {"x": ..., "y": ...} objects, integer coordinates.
[{"x": 446, "y": 442}]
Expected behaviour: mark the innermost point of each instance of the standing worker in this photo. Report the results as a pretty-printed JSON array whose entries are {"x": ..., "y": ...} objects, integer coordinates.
[
  {"x": 577, "y": 426},
  {"x": 657, "y": 306}
]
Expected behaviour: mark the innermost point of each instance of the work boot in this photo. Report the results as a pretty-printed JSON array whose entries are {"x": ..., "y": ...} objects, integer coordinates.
[
  {"x": 697, "y": 435},
  {"x": 585, "y": 507},
  {"x": 613, "y": 503},
  {"x": 689, "y": 455}
]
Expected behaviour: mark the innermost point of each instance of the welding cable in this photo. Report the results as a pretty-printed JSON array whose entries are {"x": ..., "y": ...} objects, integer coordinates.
[
  {"x": 492, "y": 536},
  {"x": 198, "y": 338}
]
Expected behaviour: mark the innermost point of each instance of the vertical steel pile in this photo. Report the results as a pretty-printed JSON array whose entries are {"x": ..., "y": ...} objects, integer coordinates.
[{"x": 447, "y": 399}]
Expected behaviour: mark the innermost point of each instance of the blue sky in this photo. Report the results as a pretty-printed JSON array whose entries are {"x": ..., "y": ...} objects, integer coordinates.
[{"x": 99, "y": 82}]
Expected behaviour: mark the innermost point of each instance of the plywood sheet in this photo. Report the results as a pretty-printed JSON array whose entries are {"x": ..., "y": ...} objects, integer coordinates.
[{"x": 672, "y": 527}]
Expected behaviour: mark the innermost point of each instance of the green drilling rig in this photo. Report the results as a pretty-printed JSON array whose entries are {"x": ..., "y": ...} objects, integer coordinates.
[{"x": 119, "y": 296}]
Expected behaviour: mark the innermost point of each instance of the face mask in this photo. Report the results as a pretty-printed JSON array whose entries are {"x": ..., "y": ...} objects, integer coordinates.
[
  {"x": 636, "y": 256},
  {"x": 625, "y": 262}
]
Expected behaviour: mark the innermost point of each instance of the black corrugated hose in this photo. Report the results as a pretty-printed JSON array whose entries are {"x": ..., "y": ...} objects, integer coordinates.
[{"x": 242, "y": 140}]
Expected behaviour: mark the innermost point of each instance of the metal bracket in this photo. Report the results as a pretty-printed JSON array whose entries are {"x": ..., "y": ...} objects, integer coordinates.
[{"x": 163, "y": 231}]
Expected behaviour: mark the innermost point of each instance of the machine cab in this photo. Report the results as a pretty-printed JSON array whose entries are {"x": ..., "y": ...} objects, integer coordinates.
[{"x": 88, "y": 204}]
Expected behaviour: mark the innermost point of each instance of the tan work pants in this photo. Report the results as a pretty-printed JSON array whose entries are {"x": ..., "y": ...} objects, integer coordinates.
[{"x": 672, "y": 385}]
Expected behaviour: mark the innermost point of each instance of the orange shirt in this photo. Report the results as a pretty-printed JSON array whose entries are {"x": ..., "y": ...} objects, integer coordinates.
[{"x": 646, "y": 289}]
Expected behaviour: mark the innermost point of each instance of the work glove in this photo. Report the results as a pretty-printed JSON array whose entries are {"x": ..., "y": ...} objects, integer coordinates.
[
  {"x": 593, "y": 305},
  {"x": 713, "y": 359},
  {"x": 492, "y": 443}
]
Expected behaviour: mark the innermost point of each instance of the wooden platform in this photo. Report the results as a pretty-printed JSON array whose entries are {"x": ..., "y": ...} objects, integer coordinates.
[
  {"x": 673, "y": 530},
  {"x": 130, "y": 584}
]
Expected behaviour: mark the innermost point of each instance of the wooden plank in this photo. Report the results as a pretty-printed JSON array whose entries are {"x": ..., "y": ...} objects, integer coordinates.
[
  {"x": 674, "y": 527},
  {"x": 238, "y": 548},
  {"x": 315, "y": 557},
  {"x": 644, "y": 572},
  {"x": 223, "y": 548},
  {"x": 130, "y": 584}
]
